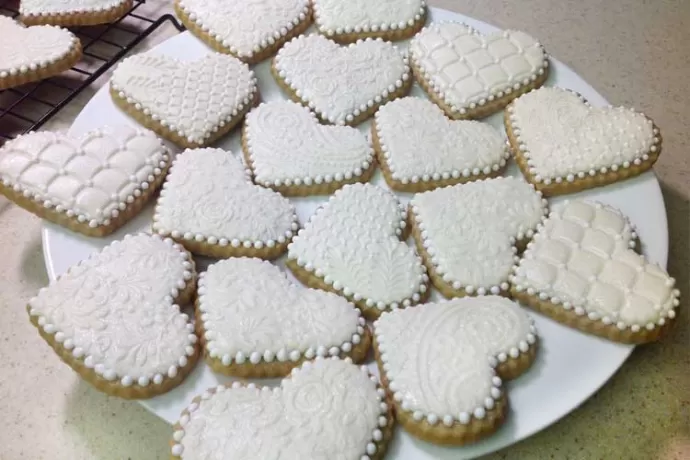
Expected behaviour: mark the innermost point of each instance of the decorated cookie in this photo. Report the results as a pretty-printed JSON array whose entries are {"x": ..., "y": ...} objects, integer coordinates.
[
  {"x": 72, "y": 12},
  {"x": 191, "y": 103},
  {"x": 470, "y": 75},
  {"x": 352, "y": 246},
  {"x": 581, "y": 269},
  {"x": 355, "y": 19},
  {"x": 289, "y": 151},
  {"x": 444, "y": 364},
  {"x": 341, "y": 84},
  {"x": 33, "y": 53},
  {"x": 91, "y": 184},
  {"x": 564, "y": 145},
  {"x": 113, "y": 317},
  {"x": 420, "y": 149},
  {"x": 256, "y": 323},
  {"x": 326, "y": 409},
  {"x": 210, "y": 205},
  {"x": 250, "y": 30}
]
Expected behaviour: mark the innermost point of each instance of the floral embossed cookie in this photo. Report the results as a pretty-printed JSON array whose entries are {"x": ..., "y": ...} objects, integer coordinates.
[
  {"x": 420, "y": 149},
  {"x": 210, "y": 205},
  {"x": 581, "y": 269},
  {"x": 72, "y": 12},
  {"x": 327, "y": 409},
  {"x": 564, "y": 145},
  {"x": 92, "y": 184},
  {"x": 289, "y": 151},
  {"x": 114, "y": 317},
  {"x": 444, "y": 364}
]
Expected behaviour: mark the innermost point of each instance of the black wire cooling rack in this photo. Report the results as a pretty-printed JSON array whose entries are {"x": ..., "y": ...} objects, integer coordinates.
[{"x": 27, "y": 107}]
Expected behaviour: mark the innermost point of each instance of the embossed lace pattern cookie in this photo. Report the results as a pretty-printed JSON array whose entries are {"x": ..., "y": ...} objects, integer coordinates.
[{"x": 72, "y": 12}]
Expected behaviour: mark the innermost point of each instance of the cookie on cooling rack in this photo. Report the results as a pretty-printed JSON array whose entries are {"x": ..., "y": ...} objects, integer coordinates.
[{"x": 72, "y": 12}]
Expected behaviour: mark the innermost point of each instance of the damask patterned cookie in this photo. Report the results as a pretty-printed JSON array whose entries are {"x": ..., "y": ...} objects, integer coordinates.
[
  {"x": 210, "y": 205},
  {"x": 564, "y": 145},
  {"x": 327, "y": 409},
  {"x": 114, "y": 317},
  {"x": 251, "y": 30},
  {"x": 444, "y": 364},
  {"x": 33, "y": 53},
  {"x": 352, "y": 246},
  {"x": 420, "y": 149},
  {"x": 191, "y": 103},
  {"x": 341, "y": 84},
  {"x": 92, "y": 184},
  {"x": 356, "y": 19},
  {"x": 289, "y": 151},
  {"x": 254, "y": 322},
  {"x": 469, "y": 235},
  {"x": 72, "y": 12},
  {"x": 581, "y": 269},
  {"x": 470, "y": 75}
]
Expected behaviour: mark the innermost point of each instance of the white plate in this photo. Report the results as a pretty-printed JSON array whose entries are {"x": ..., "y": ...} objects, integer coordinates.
[{"x": 570, "y": 366}]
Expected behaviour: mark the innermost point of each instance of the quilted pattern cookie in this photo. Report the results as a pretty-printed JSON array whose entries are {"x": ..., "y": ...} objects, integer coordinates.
[
  {"x": 420, "y": 149},
  {"x": 328, "y": 409},
  {"x": 254, "y": 322},
  {"x": 72, "y": 12},
  {"x": 114, "y": 317},
  {"x": 33, "y": 53},
  {"x": 564, "y": 145},
  {"x": 289, "y": 151},
  {"x": 444, "y": 363},
  {"x": 250, "y": 30},
  {"x": 92, "y": 184},
  {"x": 581, "y": 269},
  {"x": 209, "y": 204},
  {"x": 470, "y": 75},
  {"x": 352, "y": 246},
  {"x": 191, "y": 103},
  {"x": 341, "y": 84}
]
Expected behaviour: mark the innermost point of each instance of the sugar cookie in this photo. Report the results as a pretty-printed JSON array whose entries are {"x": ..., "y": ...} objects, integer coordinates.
[{"x": 72, "y": 12}]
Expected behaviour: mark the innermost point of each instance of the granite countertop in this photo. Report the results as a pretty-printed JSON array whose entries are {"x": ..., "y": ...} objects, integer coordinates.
[{"x": 633, "y": 52}]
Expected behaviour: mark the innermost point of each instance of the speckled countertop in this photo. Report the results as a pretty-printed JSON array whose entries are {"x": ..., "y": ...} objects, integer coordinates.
[{"x": 634, "y": 52}]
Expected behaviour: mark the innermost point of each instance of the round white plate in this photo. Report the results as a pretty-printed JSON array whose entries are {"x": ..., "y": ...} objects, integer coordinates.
[{"x": 570, "y": 366}]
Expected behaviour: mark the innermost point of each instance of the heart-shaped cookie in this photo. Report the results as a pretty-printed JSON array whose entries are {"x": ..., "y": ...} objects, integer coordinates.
[
  {"x": 112, "y": 317},
  {"x": 328, "y": 409},
  {"x": 420, "y": 149},
  {"x": 443, "y": 363},
  {"x": 191, "y": 103},
  {"x": 581, "y": 270},
  {"x": 92, "y": 184},
  {"x": 34, "y": 53},
  {"x": 250, "y": 30},
  {"x": 352, "y": 247},
  {"x": 563, "y": 145},
  {"x": 210, "y": 205},
  {"x": 255, "y": 322},
  {"x": 468, "y": 235},
  {"x": 289, "y": 151},
  {"x": 72, "y": 12},
  {"x": 341, "y": 84},
  {"x": 470, "y": 75}
]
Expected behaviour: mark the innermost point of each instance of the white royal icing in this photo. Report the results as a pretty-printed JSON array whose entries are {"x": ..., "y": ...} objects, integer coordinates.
[
  {"x": 91, "y": 178},
  {"x": 439, "y": 358},
  {"x": 288, "y": 146},
  {"x": 469, "y": 231},
  {"x": 582, "y": 258},
  {"x": 563, "y": 138},
  {"x": 419, "y": 144},
  {"x": 193, "y": 98},
  {"x": 46, "y": 7},
  {"x": 209, "y": 197},
  {"x": 115, "y": 310},
  {"x": 327, "y": 409},
  {"x": 246, "y": 27},
  {"x": 467, "y": 69},
  {"x": 251, "y": 312},
  {"x": 341, "y": 82},
  {"x": 27, "y": 49},
  {"x": 335, "y": 17},
  {"x": 353, "y": 243}
]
